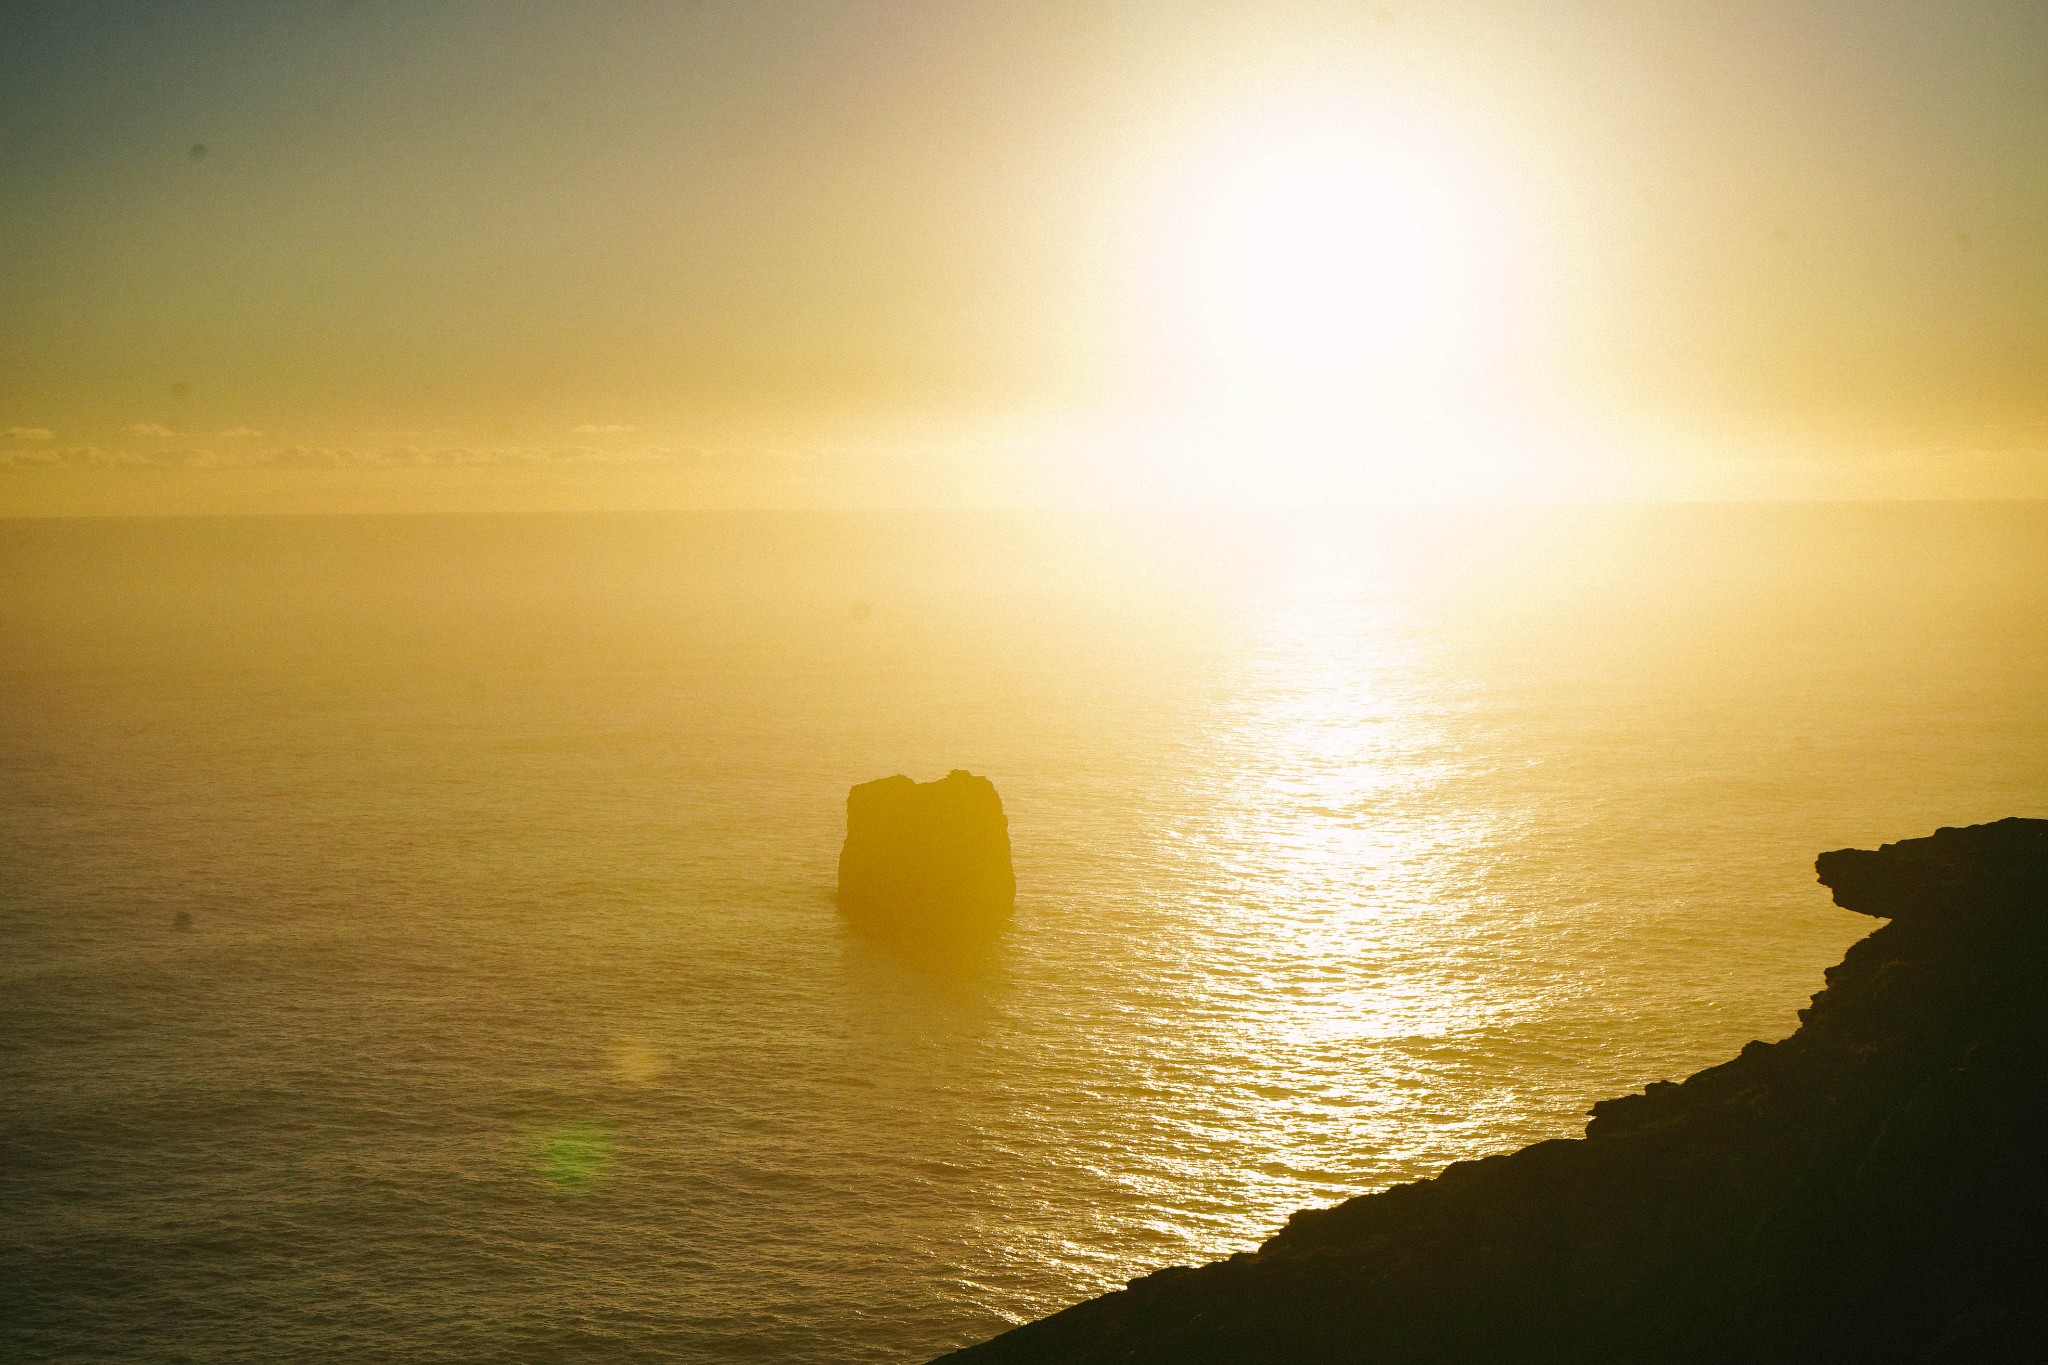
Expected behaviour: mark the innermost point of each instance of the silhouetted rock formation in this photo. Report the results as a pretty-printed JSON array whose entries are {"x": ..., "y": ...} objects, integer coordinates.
[
  {"x": 927, "y": 858},
  {"x": 1873, "y": 1188}
]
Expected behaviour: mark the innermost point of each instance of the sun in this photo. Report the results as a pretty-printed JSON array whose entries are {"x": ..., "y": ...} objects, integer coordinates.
[
  {"x": 1324, "y": 292},
  {"x": 1328, "y": 244}
]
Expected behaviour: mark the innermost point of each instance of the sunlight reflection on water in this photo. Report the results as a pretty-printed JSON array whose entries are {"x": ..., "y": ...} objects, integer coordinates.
[{"x": 508, "y": 848}]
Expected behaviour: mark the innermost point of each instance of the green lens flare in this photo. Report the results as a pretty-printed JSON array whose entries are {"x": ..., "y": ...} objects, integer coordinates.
[{"x": 574, "y": 1156}]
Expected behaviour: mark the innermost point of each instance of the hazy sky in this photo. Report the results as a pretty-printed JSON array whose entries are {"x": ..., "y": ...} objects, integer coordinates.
[{"x": 435, "y": 255}]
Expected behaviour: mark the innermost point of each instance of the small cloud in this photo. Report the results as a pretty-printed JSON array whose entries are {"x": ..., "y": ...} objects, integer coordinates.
[
  {"x": 149, "y": 429},
  {"x": 249, "y": 433},
  {"x": 311, "y": 457},
  {"x": 242, "y": 453},
  {"x": 594, "y": 429},
  {"x": 29, "y": 433},
  {"x": 189, "y": 459},
  {"x": 71, "y": 457}
]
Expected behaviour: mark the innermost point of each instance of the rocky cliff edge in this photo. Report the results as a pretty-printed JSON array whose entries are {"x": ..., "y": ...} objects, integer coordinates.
[{"x": 1872, "y": 1188}]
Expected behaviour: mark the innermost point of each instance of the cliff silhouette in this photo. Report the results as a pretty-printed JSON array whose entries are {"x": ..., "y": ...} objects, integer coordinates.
[{"x": 1872, "y": 1188}]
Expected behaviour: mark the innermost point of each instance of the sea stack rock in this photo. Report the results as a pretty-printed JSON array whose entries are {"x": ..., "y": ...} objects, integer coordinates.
[{"x": 928, "y": 857}]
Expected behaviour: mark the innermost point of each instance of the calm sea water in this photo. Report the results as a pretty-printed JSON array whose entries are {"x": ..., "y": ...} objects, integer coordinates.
[{"x": 513, "y": 1020}]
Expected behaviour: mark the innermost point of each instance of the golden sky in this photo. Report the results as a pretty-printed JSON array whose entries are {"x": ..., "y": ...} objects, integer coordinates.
[{"x": 432, "y": 256}]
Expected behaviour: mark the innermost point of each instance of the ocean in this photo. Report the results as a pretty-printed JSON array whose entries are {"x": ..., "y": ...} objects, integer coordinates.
[{"x": 419, "y": 941}]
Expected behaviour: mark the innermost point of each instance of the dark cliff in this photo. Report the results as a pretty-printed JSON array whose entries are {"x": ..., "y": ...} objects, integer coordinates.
[
  {"x": 925, "y": 858},
  {"x": 1873, "y": 1188}
]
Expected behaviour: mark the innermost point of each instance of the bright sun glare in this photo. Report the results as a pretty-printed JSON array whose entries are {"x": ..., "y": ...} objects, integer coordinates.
[
  {"x": 1329, "y": 295},
  {"x": 1308, "y": 248}
]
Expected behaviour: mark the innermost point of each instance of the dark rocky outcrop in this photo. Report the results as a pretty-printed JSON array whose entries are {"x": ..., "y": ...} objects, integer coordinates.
[
  {"x": 1872, "y": 1188},
  {"x": 927, "y": 858}
]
